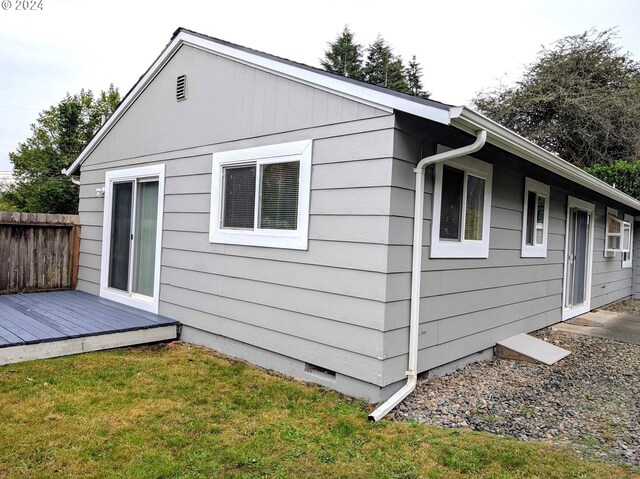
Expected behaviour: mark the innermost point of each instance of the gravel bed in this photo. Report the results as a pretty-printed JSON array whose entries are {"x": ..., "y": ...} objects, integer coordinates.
[
  {"x": 628, "y": 306},
  {"x": 589, "y": 401}
]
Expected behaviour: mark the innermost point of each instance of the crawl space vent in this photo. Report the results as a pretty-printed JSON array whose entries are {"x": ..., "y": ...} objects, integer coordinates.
[{"x": 181, "y": 88}]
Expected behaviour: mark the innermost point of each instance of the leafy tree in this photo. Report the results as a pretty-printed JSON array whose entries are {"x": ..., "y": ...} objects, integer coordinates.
[
  {"x": 580, "y": 99},
  {"x": 57, "y": 138},
  {"x": 344, "y": 56},
  {"x": 624, "y": 175},
  {"x": 383, "y": 68},
  {"x": 413, "y": 74}
]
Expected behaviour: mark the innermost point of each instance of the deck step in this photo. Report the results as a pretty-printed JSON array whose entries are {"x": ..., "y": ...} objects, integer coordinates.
[{"x": 523, "y": 347}]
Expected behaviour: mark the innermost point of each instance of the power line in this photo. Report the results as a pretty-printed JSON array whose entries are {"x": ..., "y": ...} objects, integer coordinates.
[{"x": 8, "y": 107}]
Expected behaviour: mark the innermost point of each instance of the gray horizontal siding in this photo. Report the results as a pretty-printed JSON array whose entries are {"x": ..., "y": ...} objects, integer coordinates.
[
  {"x": 324, "y": 306},
  {"x": 469, "y": 304},
  {"x": 361, "y": 366},
  {"x": 227, "y": 101}
]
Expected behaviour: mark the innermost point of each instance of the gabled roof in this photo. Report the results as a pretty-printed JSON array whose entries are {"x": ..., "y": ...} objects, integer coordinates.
[{"x": 460, "y": 117}]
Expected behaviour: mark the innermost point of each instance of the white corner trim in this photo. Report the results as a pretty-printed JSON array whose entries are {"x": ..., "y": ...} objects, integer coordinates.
[
  {"x": 136, "y": 300},
  {"x": 570, "y": 312},
  {"x": 536, "y": 250},
  {"x": 288, "y": 239},
  {"x": 462, "y": 248}
]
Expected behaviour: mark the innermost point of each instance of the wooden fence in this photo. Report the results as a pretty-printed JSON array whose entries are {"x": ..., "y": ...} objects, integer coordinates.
[{"x": 38, "y": 252}]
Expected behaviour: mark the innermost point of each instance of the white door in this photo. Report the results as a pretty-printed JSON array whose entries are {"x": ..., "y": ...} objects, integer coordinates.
[{"x": 578, "y": 258}]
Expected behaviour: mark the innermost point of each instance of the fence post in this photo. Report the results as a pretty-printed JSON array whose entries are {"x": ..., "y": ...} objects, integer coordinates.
[{"x": 74, "y": 255}]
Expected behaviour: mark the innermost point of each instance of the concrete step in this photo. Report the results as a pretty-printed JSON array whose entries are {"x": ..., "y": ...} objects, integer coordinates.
[{"x": 523, "y": 347}]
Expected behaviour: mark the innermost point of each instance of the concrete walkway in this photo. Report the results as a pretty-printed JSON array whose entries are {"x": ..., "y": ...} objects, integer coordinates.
[{"x": 604, "y": 324}]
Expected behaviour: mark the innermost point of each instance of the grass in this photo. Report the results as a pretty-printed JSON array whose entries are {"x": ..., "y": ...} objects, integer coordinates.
[{"x": 183, "y": 412}]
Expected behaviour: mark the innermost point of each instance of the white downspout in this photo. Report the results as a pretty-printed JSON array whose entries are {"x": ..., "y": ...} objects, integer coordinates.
[{"x": 416, "y": 271}]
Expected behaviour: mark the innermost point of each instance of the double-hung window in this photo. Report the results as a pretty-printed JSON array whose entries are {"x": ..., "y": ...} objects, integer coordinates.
[
  {"x": 260, "y": 196},
  {"x": 461, "y": 209},
  {"x": 535, "y": 219},
  {"x": 618, "y": 234}
]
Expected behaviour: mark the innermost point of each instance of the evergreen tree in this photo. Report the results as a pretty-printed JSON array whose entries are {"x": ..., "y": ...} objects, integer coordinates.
[
  {"x": 383, "y": 68},
  {"x": 58, "y": 136},
  {"x": 344, "y": 56},
  {"x": 414, "y": 79}
]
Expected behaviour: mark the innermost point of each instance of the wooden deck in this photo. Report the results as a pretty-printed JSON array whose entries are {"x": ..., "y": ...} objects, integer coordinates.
[{"x": 43, "y": 325}]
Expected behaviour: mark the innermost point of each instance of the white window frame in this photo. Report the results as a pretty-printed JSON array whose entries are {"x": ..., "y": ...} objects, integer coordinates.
[
  {"x": 462, "y": 248},
  {"x": 136, "y": 300},
  {"x": 543, "y": 190},
  {"x": 627, "y": 257},
  {"x": 625, "y": 226},
  {"x": 270, "y": 238}
]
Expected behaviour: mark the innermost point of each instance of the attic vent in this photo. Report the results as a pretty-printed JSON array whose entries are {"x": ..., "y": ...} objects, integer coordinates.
[{"x": 181, "y": 88}]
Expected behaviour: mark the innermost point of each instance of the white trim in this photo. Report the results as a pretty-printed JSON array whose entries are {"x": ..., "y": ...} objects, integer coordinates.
[
  {"x": 624, "y": 226},
  {"x": 629, "y": 262},
  {"x": 279, "y": 153},
  {"x": 359, "y": 92},
  {"x": 471, "y": 121},
  {"x": 540, "y": 189},
  {"x": 568, "y": 313},
  {"x": 460, "y": 117},
  {"x": 462, "y": 248},
  {"x": 135, "y": 300}
]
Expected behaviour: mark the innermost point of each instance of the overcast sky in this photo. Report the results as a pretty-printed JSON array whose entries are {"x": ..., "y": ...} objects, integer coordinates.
[{"x": 463, "y": 46}]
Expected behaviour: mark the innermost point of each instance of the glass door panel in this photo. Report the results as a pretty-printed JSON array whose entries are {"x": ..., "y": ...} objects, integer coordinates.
[
  {"x": 581, "y": 256},
  {"x": 145, "y": 237},
  {"x": 120, "y": 236}
]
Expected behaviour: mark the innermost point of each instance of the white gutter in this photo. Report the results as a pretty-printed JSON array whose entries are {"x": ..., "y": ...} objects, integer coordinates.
[
  {"x": 470, "y": 121},
  {"x": 416, "y": 271}
]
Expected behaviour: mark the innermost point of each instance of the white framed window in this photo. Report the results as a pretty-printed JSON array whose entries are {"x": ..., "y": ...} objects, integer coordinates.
[
  {"x": 461, "y": 209},
  {"x": 617, "y": 234},
  {"x": 627, "y": 256},
  {"x": 535, "y": 219},
  {"x": 260, "y": 196}
]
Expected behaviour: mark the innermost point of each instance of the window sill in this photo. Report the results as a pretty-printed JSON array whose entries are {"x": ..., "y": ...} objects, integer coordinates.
[
  {"x": 266, "y": 240},
  {"x": 459, "y": 250},
  {"x": 533, "y": 253}
]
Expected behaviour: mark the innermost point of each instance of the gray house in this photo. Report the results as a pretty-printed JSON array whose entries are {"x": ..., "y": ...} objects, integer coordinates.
[{"x": 269, "y": 207}]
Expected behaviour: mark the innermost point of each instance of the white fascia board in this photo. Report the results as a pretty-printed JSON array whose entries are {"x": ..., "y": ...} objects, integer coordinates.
[
  {"x": 132, "y": 96},
  {"x": 471, "y": 121},
  {"x": 360, "y": 93}
]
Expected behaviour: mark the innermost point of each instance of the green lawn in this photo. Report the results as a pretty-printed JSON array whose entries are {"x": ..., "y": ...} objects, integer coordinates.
[{"x": 178, "y": 411}]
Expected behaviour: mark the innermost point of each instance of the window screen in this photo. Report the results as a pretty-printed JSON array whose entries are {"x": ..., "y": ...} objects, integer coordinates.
[
  {"x": 451, "y": 208},
  {"x": 531, "y": 219},
  {"x": 279, "y": 196},
  {"x": 239, "y": 197},
  {"x": 540, "y": 220},
  {"x": 474, "y": 208}
]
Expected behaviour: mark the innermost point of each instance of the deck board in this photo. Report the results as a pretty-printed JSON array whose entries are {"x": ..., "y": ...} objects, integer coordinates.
[
  {"x": 84, "y": 324},
  {"x": 33, "y": 318}
]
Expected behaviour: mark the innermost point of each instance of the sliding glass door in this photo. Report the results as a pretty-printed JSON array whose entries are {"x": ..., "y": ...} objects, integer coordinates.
[
  {"x": 133, "y": 236},
  {"x": 133, "y": 209}
]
